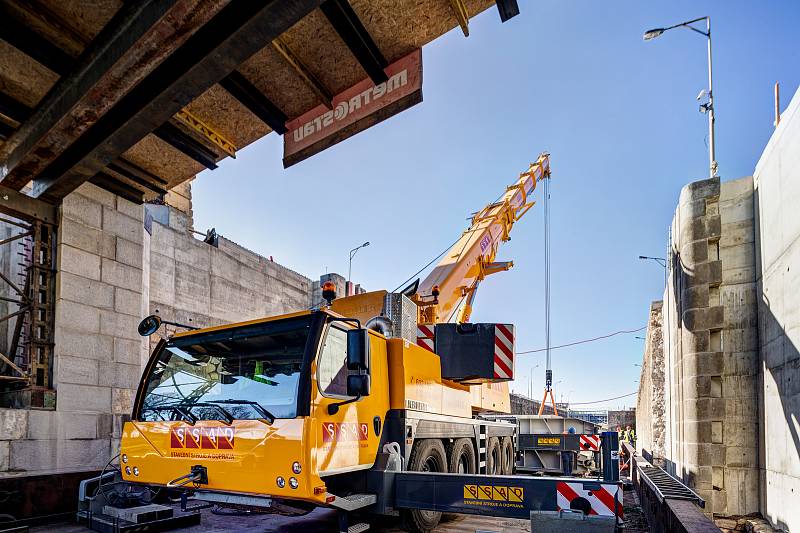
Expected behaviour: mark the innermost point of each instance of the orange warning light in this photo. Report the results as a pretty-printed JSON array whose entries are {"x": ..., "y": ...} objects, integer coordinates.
[{"x": 329, "y": 292}]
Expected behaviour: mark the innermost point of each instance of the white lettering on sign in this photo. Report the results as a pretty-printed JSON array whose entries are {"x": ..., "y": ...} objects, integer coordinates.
[
  {"x": 354, "y": 109},
  {"x": 343, "y": 109}
]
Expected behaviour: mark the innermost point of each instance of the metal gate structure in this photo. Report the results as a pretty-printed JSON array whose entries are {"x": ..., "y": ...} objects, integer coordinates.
[{"x": 27, "y": 298}]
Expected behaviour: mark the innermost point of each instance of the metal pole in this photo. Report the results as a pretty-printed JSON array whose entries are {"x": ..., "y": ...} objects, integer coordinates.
[{"x": 711, "y": 148}]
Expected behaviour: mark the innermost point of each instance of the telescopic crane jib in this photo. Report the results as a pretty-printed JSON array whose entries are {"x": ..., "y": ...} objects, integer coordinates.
[{"x": 448, "y": 292}]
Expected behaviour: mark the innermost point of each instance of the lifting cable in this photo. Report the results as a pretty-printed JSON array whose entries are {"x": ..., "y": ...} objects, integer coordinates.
[
  {"x": 415, "y": 274},
  {"x": 547, "y": 273}
]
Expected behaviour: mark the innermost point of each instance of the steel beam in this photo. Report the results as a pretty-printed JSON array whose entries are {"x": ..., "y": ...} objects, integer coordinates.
[
  {"x": 507, "y": 8},
  {"x": 249, "y": 96},
  {"x": 175, "y": 137},
  {"x": 237, "y": 32},
  {"x": 32, "y": 44},
  {"x": 350, "y": 28},
  {"x": 116, "y": 60},
  {"x": 123, "y": 190},
  {"x": 13, "y": 109},
  {"x": 323, "y": 93},
  {"x": 6, "y": 131},
  {"x": 462, "y": 15},
  {"x": 24, "y": 207},
  {"x": 138, "y": 175}
]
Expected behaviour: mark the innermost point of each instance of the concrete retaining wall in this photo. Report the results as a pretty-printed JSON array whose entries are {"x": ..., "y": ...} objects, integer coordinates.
[
  {"x": 111, "y": 272},
  {"x": 710, "y": 367},
  {"x": 650, "y": 414},
  {"x": 777, "y": 185},
  {"x": 195, "y": 283},
  {"x": 97, "y": 351}
]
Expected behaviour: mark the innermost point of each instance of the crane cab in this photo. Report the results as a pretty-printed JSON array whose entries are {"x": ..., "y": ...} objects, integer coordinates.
[{"x": 271, "y": 407}]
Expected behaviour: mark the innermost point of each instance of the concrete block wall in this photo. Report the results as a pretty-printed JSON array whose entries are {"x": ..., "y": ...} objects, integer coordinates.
[
  {"x": 650, "y": 413},
  {"x": 97, "y": 350},
  {"x": 777, "y": 194},
  {"x": 195, "y": 283},
  {"x": 712, "y": 430}
]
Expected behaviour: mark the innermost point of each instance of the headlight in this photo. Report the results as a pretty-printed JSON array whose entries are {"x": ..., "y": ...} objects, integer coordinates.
[
  {"x": 281, "y": 482},
  {"x": 293, "y": 482},
  {"x": 135, "y": 470},
  {"x": 296, "y": 468},
  {"x": 124, "y": 458},
  {"x": 128, "y": 470}
]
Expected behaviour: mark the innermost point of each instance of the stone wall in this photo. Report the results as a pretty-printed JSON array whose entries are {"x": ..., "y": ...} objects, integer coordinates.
[
  {"x": 777, "y": 186},
  {"x": 111, "y": 272},
  {"x": 192, "y": 282},
  {"x": 97, "y": 350},
  {"x": 650, "y": 413},
  {"x": 711, "y": 372}
]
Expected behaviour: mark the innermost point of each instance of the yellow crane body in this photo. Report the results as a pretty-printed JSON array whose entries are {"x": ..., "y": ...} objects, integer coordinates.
[{"x": 300, "y": 408}]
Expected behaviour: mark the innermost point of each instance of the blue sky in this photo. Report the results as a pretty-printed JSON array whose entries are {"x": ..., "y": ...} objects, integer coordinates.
[{"x": 620, "y": 120}]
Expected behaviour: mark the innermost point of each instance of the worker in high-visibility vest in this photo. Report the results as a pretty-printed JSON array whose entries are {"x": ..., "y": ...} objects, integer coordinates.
[
  {"x": 630, "y": 435},
  {"x": 620, "y": 434}
]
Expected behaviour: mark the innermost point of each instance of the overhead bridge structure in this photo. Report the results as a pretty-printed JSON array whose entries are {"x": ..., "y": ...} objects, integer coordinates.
[{"x": 137, "y": 97}]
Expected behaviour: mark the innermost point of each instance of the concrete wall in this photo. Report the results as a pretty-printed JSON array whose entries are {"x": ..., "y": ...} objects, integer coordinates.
[
  {"x": 111, "y": 272},
  {"x": 710, "y": 369},
  {"x": 97, "y": 350},
  {"x": 650, "y": 406},
  {"x": 195, "y": 283},
  {"x": 777, "y": 185}
]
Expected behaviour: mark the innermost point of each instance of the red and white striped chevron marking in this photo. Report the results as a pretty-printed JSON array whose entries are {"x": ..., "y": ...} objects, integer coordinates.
[
  {"x": 590, "y": 443},
  {"x": 503, "y": 351},
  {"x": 425, "y": 336},
  {"x": 601, "y": 500}
]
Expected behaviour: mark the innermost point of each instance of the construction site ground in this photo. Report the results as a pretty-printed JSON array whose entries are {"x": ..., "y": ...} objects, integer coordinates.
[{"x": 324, "y": 520}]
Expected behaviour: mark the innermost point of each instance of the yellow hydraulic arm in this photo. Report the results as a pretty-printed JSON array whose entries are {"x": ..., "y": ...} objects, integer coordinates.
[{"x": 446, "y": 295}]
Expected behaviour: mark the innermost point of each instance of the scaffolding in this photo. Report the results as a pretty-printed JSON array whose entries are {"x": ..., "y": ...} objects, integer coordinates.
[{"x": 27, "y": 301}]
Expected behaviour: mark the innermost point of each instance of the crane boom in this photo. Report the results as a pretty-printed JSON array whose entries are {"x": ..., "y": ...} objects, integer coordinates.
[{"x": 447, "y": 293}]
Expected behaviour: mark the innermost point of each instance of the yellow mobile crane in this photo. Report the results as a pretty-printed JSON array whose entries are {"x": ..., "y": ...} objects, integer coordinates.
[{"x": 308, "y": 408}]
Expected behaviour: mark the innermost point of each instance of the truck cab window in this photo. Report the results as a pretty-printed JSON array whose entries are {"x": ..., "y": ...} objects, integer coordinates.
[{"x": 332, "y": 363}]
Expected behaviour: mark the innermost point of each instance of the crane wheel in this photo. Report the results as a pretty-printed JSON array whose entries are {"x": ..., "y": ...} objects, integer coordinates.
[
  {"x": 494, "y": 457},
  {"x": 507, "y": 453},
  {"x": 462, "y": 457},
  {"x": 428, "y": 455}
]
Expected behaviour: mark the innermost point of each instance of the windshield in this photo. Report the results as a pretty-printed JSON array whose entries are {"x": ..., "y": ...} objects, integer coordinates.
[{"x": 249, "y": 373}]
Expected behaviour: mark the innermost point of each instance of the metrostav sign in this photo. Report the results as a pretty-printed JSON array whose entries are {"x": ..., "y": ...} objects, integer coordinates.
[{"x": 355, "y": 109}]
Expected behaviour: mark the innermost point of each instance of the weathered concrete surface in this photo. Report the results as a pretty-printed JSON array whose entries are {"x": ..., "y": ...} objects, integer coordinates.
[
  {"x": 711, "y": 374},
  {"x": 192, "y": 282},
  {"x": 777, "y": 186},
  {"x": 97, "y": 351},
  {"x": 111, "y": 272},
  {"x": 650, "y": 413}
]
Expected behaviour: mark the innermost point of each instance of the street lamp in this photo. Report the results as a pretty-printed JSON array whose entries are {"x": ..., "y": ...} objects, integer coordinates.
[
  {"x": 707, "y": 107},
  {"x": 353, "y": 253},
  {"x": 530, "y": 383}
]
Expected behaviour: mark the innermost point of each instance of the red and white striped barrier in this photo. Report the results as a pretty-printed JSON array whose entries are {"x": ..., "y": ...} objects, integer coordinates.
[
  {"x": 601, "y": 500},
  {"x": 426, "y": 336},
  {"x": 590, "y": 443},
  {"x": 504, "y": 351}
]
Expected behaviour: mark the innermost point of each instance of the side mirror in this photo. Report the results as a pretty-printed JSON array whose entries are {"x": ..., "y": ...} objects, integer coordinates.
[
  {"x": 358, "y": 385},
  {"x": 149, "y": 325},
  {"x": 358, "y": 350}
]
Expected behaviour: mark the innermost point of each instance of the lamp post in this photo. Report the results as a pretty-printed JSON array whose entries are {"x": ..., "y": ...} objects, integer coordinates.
[
  {"x": 353, "y": 253},
  {"x": 707, "y": 107}
]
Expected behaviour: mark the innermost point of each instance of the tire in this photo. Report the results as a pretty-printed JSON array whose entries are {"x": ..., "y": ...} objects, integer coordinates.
[
  {"x": 494, "y": 459},
  {"x": 428, "y": 455},
  {"x": 507, "y": 452},
  {"x": 461, "y": 459}
]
